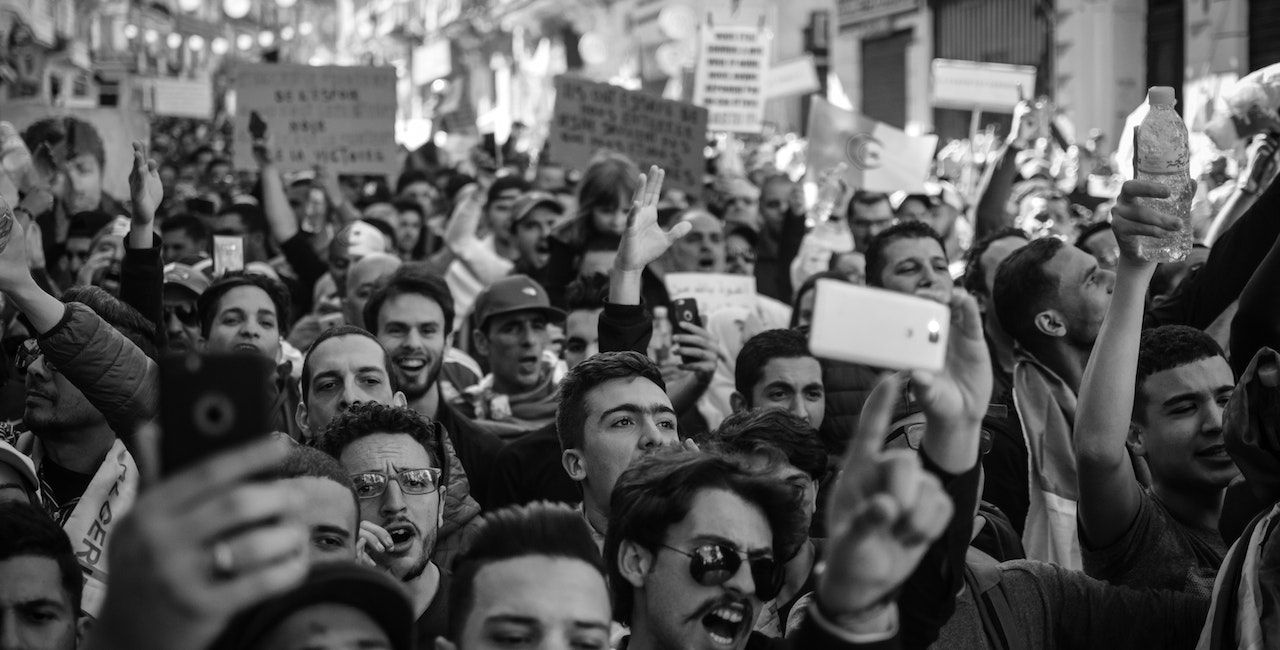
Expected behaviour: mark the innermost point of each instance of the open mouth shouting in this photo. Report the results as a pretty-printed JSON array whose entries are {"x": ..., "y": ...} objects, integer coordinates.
[
  {"x": 402, "y": 535},
  {"x": 727, "y": 623}
]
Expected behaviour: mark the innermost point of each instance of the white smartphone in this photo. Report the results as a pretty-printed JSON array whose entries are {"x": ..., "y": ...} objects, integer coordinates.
[{"x": 879, "y": 328}]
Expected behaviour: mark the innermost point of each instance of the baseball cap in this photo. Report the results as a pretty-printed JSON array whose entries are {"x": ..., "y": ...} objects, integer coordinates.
[
  {"x": 186, "y": 277},
  {"x": 505, "y": 184},
  {"x": 529, "y": 201},
  {"x": 345, "y": 583},
  {"x": 513, "y": 294},
  {"x": 21, "y": 463}
]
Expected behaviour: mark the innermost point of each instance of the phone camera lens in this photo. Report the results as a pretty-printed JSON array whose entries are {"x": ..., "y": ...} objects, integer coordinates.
[{"x": 214, "y": 414}]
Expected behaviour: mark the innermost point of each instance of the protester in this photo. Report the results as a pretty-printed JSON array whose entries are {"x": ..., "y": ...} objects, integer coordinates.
[
  {"x": 40, "y": 582},
  {"x": 330, "y": 510},
  {"x": 775, "y": 369},
  {"x": 381, "y": 445}
]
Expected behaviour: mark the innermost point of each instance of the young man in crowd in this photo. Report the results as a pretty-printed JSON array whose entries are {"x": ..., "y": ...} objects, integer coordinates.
[
  {"x": 613, "y": 409},
  {"x": 244, "y": 220},
  {"x": 499, "y": 210},
  {"x": 869, "y": 215},
  {"x": 363, "y": 280},
  {"x": 412, "y": 319},
  {"x": 779, "y": 238},
  {"x": 1159, "y": 394},
  {"x": 396, "y": 461},
  {"x": 18, "y": 481},
  {"x": 775, "y": 369},
  {"x": 531, "y": 573},
  {"x": 331, "y": 507},
  {"x": 518, "y": 395},
  {"x": 184, "y": 237},
  {"x": 249, "y": 313},
  {"x": 910, "y": 258},
  {"x": 533, "y": 217},
  {"x": 40, "y": 583},
  {"x": 181, "y": 292}
]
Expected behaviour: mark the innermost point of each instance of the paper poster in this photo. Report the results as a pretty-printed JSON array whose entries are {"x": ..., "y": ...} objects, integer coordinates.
[
  {"x": 730, "y": 77},
  {"x": 713, "y": 291},
  {"x": 117, "y": 127},
  {"x": 341, "y": 117},
  {"x": 591, "y": 116},
  {"x": 878, "y": 157}
]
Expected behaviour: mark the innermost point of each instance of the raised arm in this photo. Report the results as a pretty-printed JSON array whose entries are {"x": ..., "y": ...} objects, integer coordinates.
[
  {"x": 991, "y": 214},
  {"x": 1109, "y": 491},
  {"x": 142, "y": 271}
]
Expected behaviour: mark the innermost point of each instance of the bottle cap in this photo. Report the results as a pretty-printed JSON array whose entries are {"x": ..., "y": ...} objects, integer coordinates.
[{"x": 1161, "y": 96}]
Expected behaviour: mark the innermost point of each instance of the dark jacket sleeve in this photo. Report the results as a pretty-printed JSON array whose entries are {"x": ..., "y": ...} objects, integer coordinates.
[
  {"x": 528, "y": 469},
  {"x": 115, "y": 375},
  {"x": 625, "y": 328},
  {"x": 477, "y": 450},
  {"x": 306, "y": 264},
  {"x": 991, "y": 212},
  {"x": 1203, "y": 296},
  {"x": 142, "y": 285},
  {"x": 1257, "y": 322},
  {"x": 928, "y": 597}
]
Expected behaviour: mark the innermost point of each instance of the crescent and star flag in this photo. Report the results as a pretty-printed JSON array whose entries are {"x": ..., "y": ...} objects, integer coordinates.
[{"x": 879, "y": 157}]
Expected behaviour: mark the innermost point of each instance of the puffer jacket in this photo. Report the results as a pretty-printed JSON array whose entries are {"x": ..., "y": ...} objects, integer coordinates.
[
  {"x": 115, "y": 375},
  {"x": 847, "y": 386},
  {"x": 461, "y": 512}
]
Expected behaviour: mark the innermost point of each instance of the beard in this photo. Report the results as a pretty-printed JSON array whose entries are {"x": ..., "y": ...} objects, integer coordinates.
[{"x": 413, "y": 391}]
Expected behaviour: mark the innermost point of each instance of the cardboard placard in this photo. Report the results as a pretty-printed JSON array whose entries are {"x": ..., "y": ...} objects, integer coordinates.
[
  {"x": 988, "y": 86},
  {"x": 730, "y": 78},
  {"x": 341, "y": 117},
  {"x": 118, "y": 128},
  {"x": 591, "y": 116},
  {"x": 713, "y": 291}
]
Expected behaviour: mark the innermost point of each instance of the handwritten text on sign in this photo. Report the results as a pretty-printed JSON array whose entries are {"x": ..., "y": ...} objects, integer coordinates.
[
  {"x": 713, "y": 291},
  {"x": 650, "y": 130},
  {"x": 341, "y": 117},
  {"x": 730, "y": 78}
]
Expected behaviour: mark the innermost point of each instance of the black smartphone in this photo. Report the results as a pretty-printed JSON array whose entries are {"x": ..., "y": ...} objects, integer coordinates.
[
  {"x": 201, "y": 206},
  {"x": 211, "y": 403},
  {"x": 683, "y": 310},
  {"x": 257, "y": 126}
]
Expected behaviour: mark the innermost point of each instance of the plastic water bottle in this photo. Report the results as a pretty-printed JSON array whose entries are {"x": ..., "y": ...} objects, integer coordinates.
[
  {"x": 1161, "y": 154},
  {"x": 830, "y": 234}
]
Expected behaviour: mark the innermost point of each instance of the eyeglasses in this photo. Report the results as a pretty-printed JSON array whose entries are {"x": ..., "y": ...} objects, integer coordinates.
[
  {"x": 371, "y": 485},
  {"x": 27, "y": 354},
  {"x": 187, "y": 314},
  {"x": 715, "y": 563},
  {"x": 913, "y": 434}
]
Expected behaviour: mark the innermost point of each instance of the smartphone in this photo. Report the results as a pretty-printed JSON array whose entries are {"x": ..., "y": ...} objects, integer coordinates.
[
  {"x": 200, "y": 206},
  {"x": 257, "y": 126},
  {"x": 228, "y": 254},
  {"x": 211, "y": 403},
  {"x": 683, "y": 310},
  {"x": 878, "y": 328}
]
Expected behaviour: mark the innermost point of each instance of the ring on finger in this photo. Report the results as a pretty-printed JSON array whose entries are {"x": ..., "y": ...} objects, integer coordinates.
[{"x": 224, "y": 561}]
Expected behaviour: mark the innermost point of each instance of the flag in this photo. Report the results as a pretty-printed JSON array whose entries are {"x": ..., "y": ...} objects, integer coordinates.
[{"x": 879, "y": 157}]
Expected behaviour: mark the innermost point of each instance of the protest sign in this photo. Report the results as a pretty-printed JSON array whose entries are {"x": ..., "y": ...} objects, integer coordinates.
[
  {"x": 878, "y": 157},
  {"x": 650, "y": 130},
  {"x": 119, "y": 129},
  {"x": 177, "y": 97},
  {"x": 341, "y": 117},
  {"x": 797, "y": 76},
  {"x": 713, "y": 291},
  {"x": 987, "y": 86},
  {"x": 729, "y": 80}
]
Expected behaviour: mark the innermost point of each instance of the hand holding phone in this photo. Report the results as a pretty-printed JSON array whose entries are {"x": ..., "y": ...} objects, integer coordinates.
[
  {"x": 879, "y": 328},
  {"x": 211, "y": 403},
  {"x": 683, "y": 310},
  {"x": 228, "y": 254}
]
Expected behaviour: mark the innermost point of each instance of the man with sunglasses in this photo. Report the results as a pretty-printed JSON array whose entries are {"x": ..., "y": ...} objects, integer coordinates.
[
  {"x": 183, "y": 287},
  {"x": 395, "y": 459}
]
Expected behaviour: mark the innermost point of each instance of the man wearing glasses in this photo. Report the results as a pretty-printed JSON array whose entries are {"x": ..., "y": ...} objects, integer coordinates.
[
  {"x": 182, "y": 288},
  {"x": 394, "y": 458}
]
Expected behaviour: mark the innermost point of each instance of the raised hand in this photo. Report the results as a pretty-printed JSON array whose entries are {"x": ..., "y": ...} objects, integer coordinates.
[
  {"x": 198, "y": 548},
  {"x": 15, "y": 270},
  {"x": 145, "y": 187},
  {"x": 467, "y": 211},
  {"x": 956, "y": 399},
  {"x": 1023, "y": 132},
  {"x": 644, "y": 240},
  {"x": 882, "y": 515},
  {"x": 701, "y": 348},
  {"x": 1131, "y": 219}
]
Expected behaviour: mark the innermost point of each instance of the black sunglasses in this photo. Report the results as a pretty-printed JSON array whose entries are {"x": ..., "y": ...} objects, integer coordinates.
[
  {"x": 28, "y": 353},
  {"x": 187, "y": 314},
  {"x": 715, "y": 563}
]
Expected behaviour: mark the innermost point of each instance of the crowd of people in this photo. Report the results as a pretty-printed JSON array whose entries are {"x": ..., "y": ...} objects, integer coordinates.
[{"x": 486, "y": 432}]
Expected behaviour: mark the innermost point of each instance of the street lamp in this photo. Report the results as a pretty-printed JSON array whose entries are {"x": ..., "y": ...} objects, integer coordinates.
[
  {"x": 174, "y": 40},
  {"x": 266, "y": 38},
  {"x": 189, "y": 5},
  {"x": 287, "y": 33},
  {"x": 236, "y": 9},
  {"x": 285, "y": 4},
  {"x": 244, "y": 42},
  {"x": 196, "y": 42},
  {"x": 219, "y": 46}
]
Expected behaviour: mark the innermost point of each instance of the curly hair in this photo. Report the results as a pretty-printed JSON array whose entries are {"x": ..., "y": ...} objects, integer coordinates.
[
  {"x": 364, "y": 420},
  {"x": 773, "y": 433}
]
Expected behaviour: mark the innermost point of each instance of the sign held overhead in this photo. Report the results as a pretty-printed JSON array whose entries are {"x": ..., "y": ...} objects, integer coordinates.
[{"x": 968, "y": 85}]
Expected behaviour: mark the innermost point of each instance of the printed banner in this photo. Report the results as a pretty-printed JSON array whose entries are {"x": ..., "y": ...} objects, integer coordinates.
[
  {"x": 341, "y": 117},
  {"x": 713, "y": 291},
  {"x": 591, "y": 116},
  {"x": 729, "y": 80}
]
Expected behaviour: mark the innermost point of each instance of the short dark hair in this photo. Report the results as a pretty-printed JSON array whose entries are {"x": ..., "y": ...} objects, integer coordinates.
[
  {"x": 25, "y": 529},
  {"x": 191, "y": 225},
  {"x": 409, "y": 177},
  {"x": 251, "y": 215},
  {"x": 1090, "y": 230},
  {"x": 1023, "y": 287},
  {"x": 863, "y": 197},
  {"x": 1169, "y": 346},
  {"x": 134, "y": 326},
  {"x": 762, "y": 348},
  {"x": 974, "y": 278},
  {"x": 809, "y": 284},
  {"x": 411, "y": 278},
  {"x": 408, "y": 205},
  {"x": 333, "y": 333},
  {"x": 571, "y": 413},
  {"x": 658, "y": 491},
  {"x": 363, "y": 420},
  {"x": 773, "y": 433},
  {"x": 310, "y": 462},
  {"x": 610, "y": 178},
  {"x": 208, "y": 303},
  {"x": 904, "y": 230},
  {"x": 586, "y": 292},
  {"x": 88, "y": 224},
  {"x": 541, "y": 528}
]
